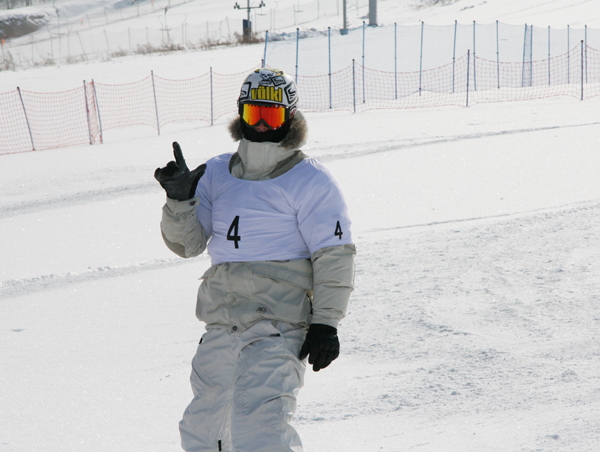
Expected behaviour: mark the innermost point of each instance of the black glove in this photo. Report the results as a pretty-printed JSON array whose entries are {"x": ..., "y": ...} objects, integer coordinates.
[
  {"x": 322, "y": 345},
  {"x": 178, "y": 181}
]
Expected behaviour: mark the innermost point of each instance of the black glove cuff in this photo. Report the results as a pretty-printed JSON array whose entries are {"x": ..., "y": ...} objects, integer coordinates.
[{"x": 320, "y": 328}]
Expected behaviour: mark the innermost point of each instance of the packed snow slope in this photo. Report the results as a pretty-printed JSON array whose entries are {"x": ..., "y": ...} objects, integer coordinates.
[{"x": 473, "y": 326}]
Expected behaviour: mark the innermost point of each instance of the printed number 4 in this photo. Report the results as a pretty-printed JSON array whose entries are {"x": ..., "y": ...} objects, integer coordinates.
[
  {"x": 338, "y": 230},
  {"x": 235, "y": 238}
]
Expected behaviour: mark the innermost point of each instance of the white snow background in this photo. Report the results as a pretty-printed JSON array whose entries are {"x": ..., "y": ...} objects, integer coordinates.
[{"x": 474, "y": 323}]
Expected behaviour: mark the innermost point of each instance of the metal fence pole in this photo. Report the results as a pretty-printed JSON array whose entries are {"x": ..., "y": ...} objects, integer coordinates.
[
  {"x": 211, "y": 98},
  {"x": 548, "y": 55},
  {"x": 524, "y": 53},
  {"x": 98, "y": 110},
  {"x": 497, "y": 55},
  {"x": 468, "y": 73},
  {"x": 155, "y": 103},
  {"x": 396, "y": 59},
  {"x": 421, "y": 60},
  {"x": 531, "y": 56},
  {"x": 363, "y": 62},
  {"x": 353, "y": 86},
  {"x": 581, "y": 70},
  {"x": 87, "y": 112},
  {"x": 454, "y": 55},
  {"x": 329, "y": 45},
  {"x": 26, "y": 118},
  {"x": 297, "y": 47},
  {"x": 474, "y": 61},
  {"x": 266, "y": 42}
]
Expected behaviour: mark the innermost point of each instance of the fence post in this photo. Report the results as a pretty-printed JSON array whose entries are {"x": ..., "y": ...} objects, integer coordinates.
[
  {"x": 524, "y": 52},
  {"x": 363, "y": 63},
  {"x": 497, "y": 55},
  {"x": 26, "y": 118},
  {"x": 155, "y": 103},
  {"x": 531, "y": 55},
  {"x": 353, "y": 86},
  {"x": 396, "y": 59},
  {"x": 468, "y": 73},
  {"x": 454, "y": 55},
  {"x": 329, "y": 45},
  {"x": 421, "y": 59},
  {"x": 474, "y": 61},
  {"x": 297, "y": 47},
  {"x": 548, "y": 55},
  {"x": 87, "y": 112},
  {"x": 266, "y": 42},
  {"x": 98, "y": 110},
  {"x": 211, "y": 97},
  {"x": 581, "y": 70}
]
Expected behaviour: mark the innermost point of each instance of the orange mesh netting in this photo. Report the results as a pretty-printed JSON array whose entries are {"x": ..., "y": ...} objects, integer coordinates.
[{"x": 35, "y": 121}]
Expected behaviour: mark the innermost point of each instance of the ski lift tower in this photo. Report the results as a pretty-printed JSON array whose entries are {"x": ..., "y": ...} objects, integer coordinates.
[
  {"x": 372, "y": 13},
  {"x": 344, "y": 30},
  {"x": 247, "y": 25}
]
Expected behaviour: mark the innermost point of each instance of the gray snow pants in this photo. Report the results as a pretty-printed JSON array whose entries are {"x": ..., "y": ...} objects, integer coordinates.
[{"x": 245, "y": 387}]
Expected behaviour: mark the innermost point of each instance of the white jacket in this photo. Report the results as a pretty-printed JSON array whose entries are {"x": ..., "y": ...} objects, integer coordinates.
[{"x": 235, "y": 295}]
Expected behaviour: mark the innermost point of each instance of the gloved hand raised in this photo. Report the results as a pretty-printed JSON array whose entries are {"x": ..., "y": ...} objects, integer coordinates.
[
  {"x": 178, "y": 181},
  {"x": 321, "y": 346}
]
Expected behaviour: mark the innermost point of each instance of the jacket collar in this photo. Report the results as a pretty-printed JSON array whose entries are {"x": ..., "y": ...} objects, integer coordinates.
[{"x": 257, "y": 161}]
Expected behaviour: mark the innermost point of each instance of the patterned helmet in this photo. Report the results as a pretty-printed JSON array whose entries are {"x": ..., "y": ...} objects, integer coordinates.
[{"x": 269, "y": 87}]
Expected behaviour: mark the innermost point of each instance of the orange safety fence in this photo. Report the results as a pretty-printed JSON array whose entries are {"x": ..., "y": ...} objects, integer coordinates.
[{"x": 36, "y": 121}]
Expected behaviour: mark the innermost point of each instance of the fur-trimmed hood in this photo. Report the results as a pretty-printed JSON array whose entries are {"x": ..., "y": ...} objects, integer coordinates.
[{"x": 295, "y": 138}]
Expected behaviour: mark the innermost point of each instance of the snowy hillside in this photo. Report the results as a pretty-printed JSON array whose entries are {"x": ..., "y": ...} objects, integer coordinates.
[{"x": 474, "y": 323}]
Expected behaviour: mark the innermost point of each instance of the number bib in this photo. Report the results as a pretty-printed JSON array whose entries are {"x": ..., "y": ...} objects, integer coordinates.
[{"x": 289, "y": 217}]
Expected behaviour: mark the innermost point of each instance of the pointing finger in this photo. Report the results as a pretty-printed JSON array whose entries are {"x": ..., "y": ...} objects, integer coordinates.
[{"x": 179, "y": 156}]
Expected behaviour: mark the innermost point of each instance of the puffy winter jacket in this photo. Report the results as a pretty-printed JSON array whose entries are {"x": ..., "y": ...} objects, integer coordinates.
[{"x": 235, "y": 295}]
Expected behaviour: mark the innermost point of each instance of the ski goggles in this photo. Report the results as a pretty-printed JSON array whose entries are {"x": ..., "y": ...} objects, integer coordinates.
[{"x": 273, "y": 116}]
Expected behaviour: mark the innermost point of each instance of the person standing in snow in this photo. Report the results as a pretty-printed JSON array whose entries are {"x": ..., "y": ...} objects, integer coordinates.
[{"x": 277, "y": 230}]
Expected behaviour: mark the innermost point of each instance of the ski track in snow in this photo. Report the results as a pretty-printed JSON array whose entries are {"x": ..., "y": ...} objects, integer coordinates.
[
  {"x": 103, "y": 194},
  {"x": 18, "y": 287},
  {"x": 80, "y": 198},
  {"x": 413, "y": 143}
]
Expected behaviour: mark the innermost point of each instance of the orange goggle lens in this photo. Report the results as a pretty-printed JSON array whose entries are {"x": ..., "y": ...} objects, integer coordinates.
[{"x": 274, "y": 116}]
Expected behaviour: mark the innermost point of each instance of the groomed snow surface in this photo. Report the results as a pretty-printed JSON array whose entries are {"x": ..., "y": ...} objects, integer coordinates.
[{"x": 473, "y": 326}]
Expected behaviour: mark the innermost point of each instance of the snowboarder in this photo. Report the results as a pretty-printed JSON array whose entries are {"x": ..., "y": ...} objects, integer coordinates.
[{"x": 277, "y": 230}]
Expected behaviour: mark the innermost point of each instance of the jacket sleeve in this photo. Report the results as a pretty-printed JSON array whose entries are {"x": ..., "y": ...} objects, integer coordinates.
[
  {"x": 333, "y": 281},
  {"x": 181, "y": 231}
]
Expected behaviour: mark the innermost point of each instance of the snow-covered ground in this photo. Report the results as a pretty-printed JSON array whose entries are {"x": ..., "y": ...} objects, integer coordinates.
[{"x": 474, "y": 323}]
